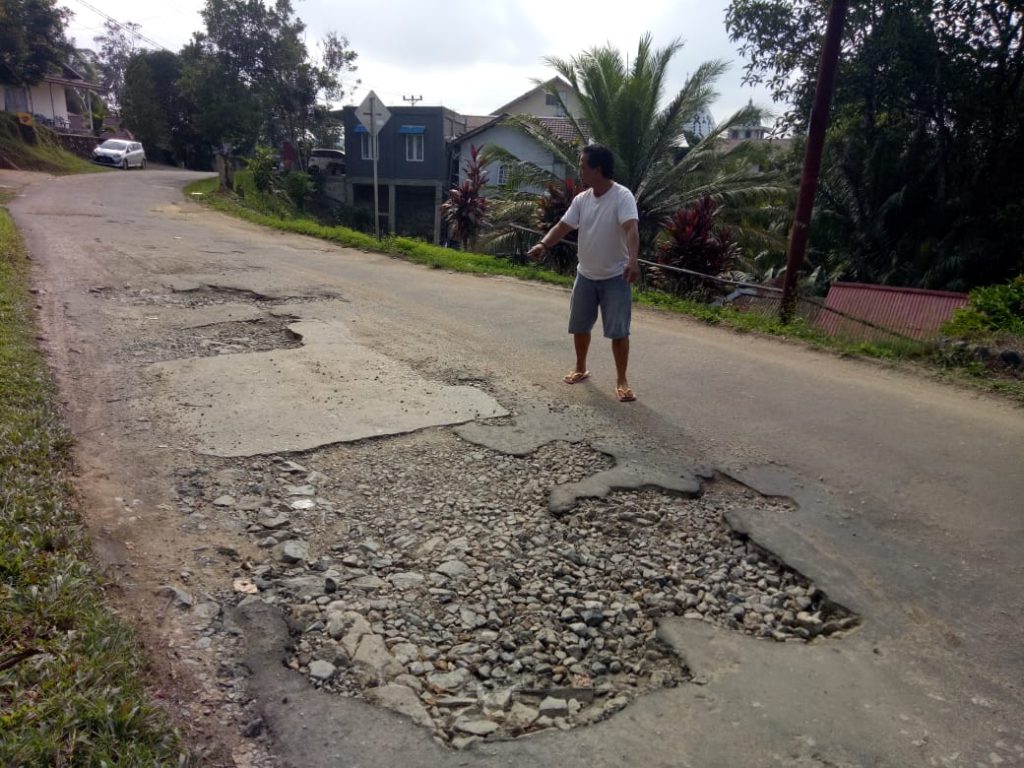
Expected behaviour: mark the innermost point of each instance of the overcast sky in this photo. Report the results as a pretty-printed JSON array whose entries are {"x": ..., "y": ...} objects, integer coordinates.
[{"x": 472, "y": 57}]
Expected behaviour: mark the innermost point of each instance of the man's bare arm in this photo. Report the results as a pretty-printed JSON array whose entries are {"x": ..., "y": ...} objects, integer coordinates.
[
  {"x": 550, "y": 240},
  {"x": 632, "y": 270}
]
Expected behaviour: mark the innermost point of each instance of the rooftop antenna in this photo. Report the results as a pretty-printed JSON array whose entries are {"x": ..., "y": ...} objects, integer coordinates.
[{"x": 412, "y": 99}]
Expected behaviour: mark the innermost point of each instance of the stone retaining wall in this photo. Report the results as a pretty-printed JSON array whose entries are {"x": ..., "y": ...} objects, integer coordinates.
[{"x": 78, "y": 145}]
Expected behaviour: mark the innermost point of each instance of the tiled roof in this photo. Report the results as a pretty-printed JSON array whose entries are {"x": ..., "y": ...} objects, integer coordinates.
[{"x": 560, "y": 126}]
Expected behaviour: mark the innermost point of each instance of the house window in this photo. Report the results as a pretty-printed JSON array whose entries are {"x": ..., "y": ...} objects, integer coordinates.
[
  {"x": 15, "y": 100},
  {"x": 746, "y": 134},
  {"x": 551, "y": 100},
  {"x": 414, "y": 147},
  {"x": 366, "y": 146},
  {"x": 503, "y": 171}
]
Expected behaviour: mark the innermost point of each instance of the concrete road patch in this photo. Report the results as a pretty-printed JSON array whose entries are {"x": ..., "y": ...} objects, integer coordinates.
[{"x": 328, "y": 391}]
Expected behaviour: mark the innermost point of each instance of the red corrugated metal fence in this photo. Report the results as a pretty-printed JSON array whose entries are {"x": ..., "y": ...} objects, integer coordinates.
[{"x": 911, "y": 312}]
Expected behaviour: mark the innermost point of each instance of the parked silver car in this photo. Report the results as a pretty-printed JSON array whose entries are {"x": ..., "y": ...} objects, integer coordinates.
[{"x": 120, "y": 153}]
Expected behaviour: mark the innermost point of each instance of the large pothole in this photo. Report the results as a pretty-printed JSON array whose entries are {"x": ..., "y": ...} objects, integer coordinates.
[
  {"x": 208, "y": 296},
  {"x": 426, "y": 574},
  {"x": 262, "y": 335}
]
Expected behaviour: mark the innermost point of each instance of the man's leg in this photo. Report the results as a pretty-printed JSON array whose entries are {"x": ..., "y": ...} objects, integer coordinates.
[
  {"x": 581, "y": 341},
  {"x": 616, "y": 310},
  {"x": 620, "y": 351},
  {"x": 582, "y": 316}
]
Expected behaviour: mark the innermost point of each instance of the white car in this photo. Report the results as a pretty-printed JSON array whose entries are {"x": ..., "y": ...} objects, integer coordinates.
[
  {"x": 330, "y": 162},
  {"x": 120, "y": 153}
]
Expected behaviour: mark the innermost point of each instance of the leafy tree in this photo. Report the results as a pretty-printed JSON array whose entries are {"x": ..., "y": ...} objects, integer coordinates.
[
  {"x": 623, "y": 107},
  {"x": 153, "y": 106},
  {"x": 465, "y": 210},
  {"x": 31, "y": 40},
  {"x": 116, "y": 48},
  {"x": 251, "y": 74},
  {"x": 919, "y": 183}
]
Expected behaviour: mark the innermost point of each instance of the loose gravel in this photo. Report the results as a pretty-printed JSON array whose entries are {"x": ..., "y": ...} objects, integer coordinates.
[{"x": 425, "y": 574}]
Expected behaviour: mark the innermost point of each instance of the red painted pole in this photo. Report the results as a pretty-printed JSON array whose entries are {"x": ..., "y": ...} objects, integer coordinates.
[{"x": 812, "y": 155}]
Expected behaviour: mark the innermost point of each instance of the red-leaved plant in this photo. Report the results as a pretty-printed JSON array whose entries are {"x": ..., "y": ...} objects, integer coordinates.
[
  {"x": 465, "y": 210},
  {"x": 551, "y": 207},
  {"x": 692, "y": 239}
]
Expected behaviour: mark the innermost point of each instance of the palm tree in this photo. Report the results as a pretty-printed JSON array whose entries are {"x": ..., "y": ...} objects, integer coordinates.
[{"x": 622, "y": 109}]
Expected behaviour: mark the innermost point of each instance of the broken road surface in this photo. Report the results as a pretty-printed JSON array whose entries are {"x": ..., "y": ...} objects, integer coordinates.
[{"x": 362, "y": 521}]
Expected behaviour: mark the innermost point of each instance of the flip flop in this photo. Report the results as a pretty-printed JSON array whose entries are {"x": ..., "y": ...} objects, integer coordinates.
[
  {"x": 575, "y": 377},
  {"x": 624, "y": 394}
]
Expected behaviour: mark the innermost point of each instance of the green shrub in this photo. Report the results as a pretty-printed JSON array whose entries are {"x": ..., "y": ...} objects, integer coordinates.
[
  {"x": 261, "y": 165},
  {"x": 990, "y": 309},
  {"x": 299, "y": 188}
]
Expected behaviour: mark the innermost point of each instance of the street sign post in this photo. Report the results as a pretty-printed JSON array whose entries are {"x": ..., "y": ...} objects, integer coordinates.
[{"x": 372, "y": 114}]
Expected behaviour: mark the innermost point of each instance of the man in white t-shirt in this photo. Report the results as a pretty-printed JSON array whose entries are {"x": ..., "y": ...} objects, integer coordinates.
[{"x": 609, "y": 243}]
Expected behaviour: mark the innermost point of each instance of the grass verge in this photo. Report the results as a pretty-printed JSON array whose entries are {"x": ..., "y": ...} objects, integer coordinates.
[
  {"x": 36, "y": 149},
  {"x": 923, "y": 358},
  {"x": 70, "y": 673}
]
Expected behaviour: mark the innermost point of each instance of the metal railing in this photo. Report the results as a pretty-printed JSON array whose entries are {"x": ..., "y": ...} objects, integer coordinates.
[{"x": 766, "y": 301}]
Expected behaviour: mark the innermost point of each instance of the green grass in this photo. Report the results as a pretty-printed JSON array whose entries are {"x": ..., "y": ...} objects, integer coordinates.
[
  {"x": 37, "y": 150},
  {"x": 925, "y": 358},
  {"x": 71, "y": 691}
]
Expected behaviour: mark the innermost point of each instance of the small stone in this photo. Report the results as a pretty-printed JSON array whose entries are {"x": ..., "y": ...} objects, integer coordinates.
[
  {"x": 521, "y": 715},
  {"x": 300, "y": 490},
  {"x": 552, "y": 707},
  {"x": 302, "y": 504},
  {"x": 476, "y": 727},
  {"x": 373, "y": 654},
  {"x": 370, "y": 583},
  {"x": 453, "y": 568},
  {"x": 321, "y": 670},
  {"x": 295, "y": 551},
  {"x": 405, "y": 581},
  {"x": 498, "y": 700},
  {"x": 447, "y": 681},
  {"x": 224, "y": 501},
  {"x": 272, "y": 522}
]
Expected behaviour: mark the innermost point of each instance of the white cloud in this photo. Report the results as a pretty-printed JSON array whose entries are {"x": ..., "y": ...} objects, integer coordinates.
[{"x": 470, "y": 56}]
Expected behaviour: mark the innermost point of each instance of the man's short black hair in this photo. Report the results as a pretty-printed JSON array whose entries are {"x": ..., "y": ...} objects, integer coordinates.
[{"x": 600, "y": 157}]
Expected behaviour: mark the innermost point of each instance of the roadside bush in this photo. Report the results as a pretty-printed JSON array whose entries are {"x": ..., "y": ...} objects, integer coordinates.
[
  {"x": 299, "y": 187},
  {"x": 268, "y": 202},
  {"x": 261, "y": 165},
  {"x": 993, "y": 309}
]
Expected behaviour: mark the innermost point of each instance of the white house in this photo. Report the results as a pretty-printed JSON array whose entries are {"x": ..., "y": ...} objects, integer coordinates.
[
  {"x": 47, "y": 101},
  {"x": 497, "y": 132}
]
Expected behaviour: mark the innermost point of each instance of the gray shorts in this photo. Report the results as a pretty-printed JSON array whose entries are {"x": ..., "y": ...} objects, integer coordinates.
[{"x": 615, "y": 298}]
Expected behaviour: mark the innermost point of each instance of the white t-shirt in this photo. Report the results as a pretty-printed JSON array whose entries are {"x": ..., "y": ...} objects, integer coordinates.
[{"x": 602, "y": 241}]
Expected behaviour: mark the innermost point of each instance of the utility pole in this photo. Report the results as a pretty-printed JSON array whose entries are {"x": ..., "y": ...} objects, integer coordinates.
[
  {"x": 412, "y": 99},
  {"x": 812, "y": 155}
]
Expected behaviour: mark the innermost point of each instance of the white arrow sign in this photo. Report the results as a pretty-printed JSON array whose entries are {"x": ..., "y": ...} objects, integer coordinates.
[{"x": 372, "y": 113}]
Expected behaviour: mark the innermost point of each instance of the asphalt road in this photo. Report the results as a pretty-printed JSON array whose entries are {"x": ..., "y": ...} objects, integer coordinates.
[{"x": 911, "y": 492}]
